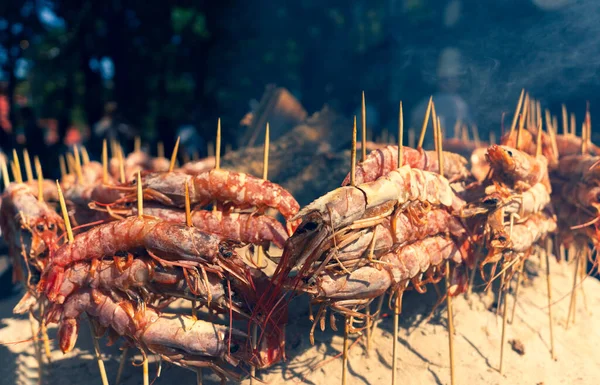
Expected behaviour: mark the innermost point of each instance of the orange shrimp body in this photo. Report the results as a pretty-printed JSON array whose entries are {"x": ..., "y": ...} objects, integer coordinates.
[
  {"x": 380, "y": 162},
  {"x": 165, "y": 240},
  {"x": 517, "y": 168}
]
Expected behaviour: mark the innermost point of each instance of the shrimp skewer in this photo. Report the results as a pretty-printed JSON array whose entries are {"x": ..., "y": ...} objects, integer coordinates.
[{"x": 380, "y": 162}]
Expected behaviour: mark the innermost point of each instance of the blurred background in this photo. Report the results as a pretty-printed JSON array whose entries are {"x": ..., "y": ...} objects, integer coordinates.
[{"x": 73, "y": 72}]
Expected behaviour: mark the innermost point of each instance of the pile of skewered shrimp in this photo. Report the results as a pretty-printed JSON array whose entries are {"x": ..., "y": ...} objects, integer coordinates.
[
  {"x": 122, "y": 264},
  {"x": 138, "y": 233}
]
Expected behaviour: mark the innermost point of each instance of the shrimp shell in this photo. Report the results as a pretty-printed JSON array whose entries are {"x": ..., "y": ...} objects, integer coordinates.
[{"x": 380, "y": 162}]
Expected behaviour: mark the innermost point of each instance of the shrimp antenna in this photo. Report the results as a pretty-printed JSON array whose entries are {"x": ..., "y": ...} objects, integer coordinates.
[
  {"x": 538, "y": 148},
  {"x": 564, "y": 120},
  {"x": 121, "y": 164},
  {"x": 63, "y": 208},
  {"x": 104, "y": 162},
  {"x": 174, "y": 155},
  {"x": 353, "y": 155},
  {"x": 17, "y": 167},
  {"x": 62, "y": 165},
  {"x": 517, "y": 110},
  {"x": 573, "y": 124},
  {"x": 218, "y": 146},
  {"x": 425, "y": 123},
  {"x": 140, "y": 195},
  {"x": 27, "y": 164},
  {"x": 78, "y": 165},
  {"x": 40, "y": 178},
  {"x": 400, "y": 136},
  {"x": 160, "y": 149},
  {"x": 85, "y": 157},
  {"x": 364, "y": 128},
  {"x": 137, "y": 144},
  {"x": 5, "y": 176}
]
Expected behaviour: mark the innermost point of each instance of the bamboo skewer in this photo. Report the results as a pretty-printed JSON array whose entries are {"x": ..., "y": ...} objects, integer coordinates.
[
  {"x": 160, "y": 149},
  {"x": 121, "y": 365},
  {"x": 174, "y": 155},
  {"x": 62, "y": 165},
  {"x": 549, "y": 285},
  {"x": 519, "y": 277},
  {"x": 573, "y": 125},
  {"x": 40, "y": 179},
  {"x": 70, "y": 238},
  {"x": 104, "y": 163},
  {"x": 425, "y": 123},
  {"x": 78, "y": 170},
  {"x": 573, "y": 303},
  {"x": 85, "y": 157},
  {"x": 27, "y": 163},
  {"x": 140, "y": 207},
  {"x": 36, "y": 347},
  {"x": 517, "y": 110},
  {"x": 17, "y": 168},
  {"x": 504, "y": 319},
  {"x": 5, "y": 176},
  {"x": 364, "y": 128},
  {"x": 397, "y": 310},
  {"x": 564, "y": 120}
]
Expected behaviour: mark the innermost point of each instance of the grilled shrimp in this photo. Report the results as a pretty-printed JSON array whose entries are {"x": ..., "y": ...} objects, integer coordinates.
[
  {"x": 380, "y": 162},
  {"x": 517, "y": 168}
]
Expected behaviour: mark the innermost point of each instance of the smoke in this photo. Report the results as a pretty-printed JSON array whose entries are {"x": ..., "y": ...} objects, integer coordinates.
[{"x": 554, "y": 55}]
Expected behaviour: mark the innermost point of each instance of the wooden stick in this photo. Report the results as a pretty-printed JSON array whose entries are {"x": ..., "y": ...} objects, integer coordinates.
[
  {"x": 17, "y": 171},
  {"x": 97, "y": 354},
  {"x": 549, "y": 284},
  {"x": 476, "y": 135},
  {"x": 36, "y": 346},
  {"x": 345, "y": 351},
  {"x": 538, "y": 148},
  {"x": 425, "y": 123},
  {"x": 517, "y": 110},
  {"x": 174, "y": 155},
  {"x": 210, "y": 149},
  {"x": 137, "y": 144},
  {"x": 450, "y": 323},
  {"x": 65, "y": 214},
  {"x": 160, "y": 149},
  {"x": 27, "y": 163},
  {"x": 504, "y": 319},
  {"x": 364, "y": 128},
  {"x": 411, "y": 138},
  {"x": 555, "y": 124},
  {"x": 45, "y": 338},
  {"x": 63, "y": 166},
  {"x": 188, "y": 212},
  {"x": 78, "y": 170},
  {"x": 435, "y": 120},
  {"x": 565, "y": 120},
  {"x": 353, "y": 155},
  {"x": 266, "y": 154},
  {"x": 40, "y": 179},
  {"x": 573, "y": 303},
  {"x": 145, "y": 371},
  {"x": 397, "y": 310},
  {"x": 522, "y": 121},
  {"x": 552, "y": 131},
  {"x": 5, "y": 176},
  {"x": 140, "y": 195},
  {"x": 121, "y": 164},
  {"x": 516, "y": 296},
  {"x": 104, "y": 162},
  {"x": 583, "y": 138},
  {"x": 400, "y": 136},
  {"x": 457, "y": 126},
  {"x": 85, "y": 157},
  {"x": 218, "y": 146},
  {"x": 121, "y": 365},
  {"x": 573, "y": 124},
  {"x": 538, "y": 111}
]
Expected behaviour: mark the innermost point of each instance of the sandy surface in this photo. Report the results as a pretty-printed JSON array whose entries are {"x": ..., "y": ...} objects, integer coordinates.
[{"x": 422, "y": 352}]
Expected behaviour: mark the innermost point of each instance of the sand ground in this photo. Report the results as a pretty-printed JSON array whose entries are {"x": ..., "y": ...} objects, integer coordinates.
[{"x": 422, "y": 352}]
